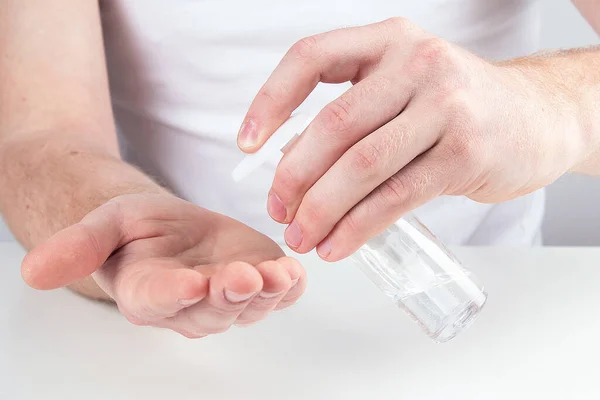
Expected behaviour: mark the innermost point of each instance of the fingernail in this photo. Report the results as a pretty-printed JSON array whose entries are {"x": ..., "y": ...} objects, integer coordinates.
[
  {"x": 189, "y": 302},
  {"x": 268, "y": 295},
  {"x": 248, "y": 134},
  {"x": 324, "y": 248},
  {"x": 237, "y": 297},
  {"x": 293, "y": 235},
  {"x": 276, "y": 208},
  {"x": 294, "y": 281}
]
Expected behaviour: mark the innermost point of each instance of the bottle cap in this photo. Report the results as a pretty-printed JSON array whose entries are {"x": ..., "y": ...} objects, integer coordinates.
[{"x": 273, "y": 148}]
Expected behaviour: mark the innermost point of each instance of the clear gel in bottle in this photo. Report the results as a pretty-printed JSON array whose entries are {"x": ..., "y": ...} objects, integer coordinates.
[
  {"x": 407, "y": 262},
  {"x": 411, "y": 266}
]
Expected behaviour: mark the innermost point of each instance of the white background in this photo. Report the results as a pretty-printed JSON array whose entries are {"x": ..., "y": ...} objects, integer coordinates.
[{"x": 573, "y": 208}]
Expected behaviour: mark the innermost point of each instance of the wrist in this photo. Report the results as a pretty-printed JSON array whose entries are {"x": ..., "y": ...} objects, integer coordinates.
[{"x": 48, "y": 186}]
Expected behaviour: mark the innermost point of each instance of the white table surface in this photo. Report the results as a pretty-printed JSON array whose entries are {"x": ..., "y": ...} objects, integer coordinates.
[{"x": 537, "y": 338}]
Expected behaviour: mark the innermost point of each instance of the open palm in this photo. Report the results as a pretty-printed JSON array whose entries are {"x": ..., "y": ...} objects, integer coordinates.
[{"x": 169, "y": 263}]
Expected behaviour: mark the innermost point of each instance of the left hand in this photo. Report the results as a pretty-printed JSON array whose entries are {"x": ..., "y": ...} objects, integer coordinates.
[
  {"x": 424, "y": 118},
  {"x": 171, "y": 264}
]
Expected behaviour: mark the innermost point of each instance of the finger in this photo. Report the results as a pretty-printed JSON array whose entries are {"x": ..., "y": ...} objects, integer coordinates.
[
  {"x": 298, "y": 275},
  {"x": 75, "y": 252},
  {"x": 333, "y": 57},
  {"x": 362, "y": 109},
  {"x": 276, "y": 283},
  {"x": 359, "y": 171},
  {"x": 422, "y": 180},
  {"x": 154, "y": 289},
  {"x": 231, "y": 290}
]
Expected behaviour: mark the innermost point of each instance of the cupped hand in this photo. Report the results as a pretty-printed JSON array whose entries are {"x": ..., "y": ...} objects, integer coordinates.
[
  {"x": 423, "y": 118},
  {"x": 171, "y": 264}
]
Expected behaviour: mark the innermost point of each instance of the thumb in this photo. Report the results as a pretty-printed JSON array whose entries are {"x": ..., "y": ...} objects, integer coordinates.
[{"x": 75, "y": 252}]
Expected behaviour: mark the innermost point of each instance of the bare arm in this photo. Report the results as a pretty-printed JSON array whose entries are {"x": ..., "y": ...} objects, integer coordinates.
[
  {"x": 570, "y": 79},
  {"x": 583, "y": 74},
  {"x": 590, "y": 9},
  {"x": 59, "y": 157},
  {"x": 59, "y": 161}
]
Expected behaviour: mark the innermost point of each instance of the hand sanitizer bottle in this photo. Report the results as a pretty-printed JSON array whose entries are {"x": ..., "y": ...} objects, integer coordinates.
[{"x": 407, "y": 262}]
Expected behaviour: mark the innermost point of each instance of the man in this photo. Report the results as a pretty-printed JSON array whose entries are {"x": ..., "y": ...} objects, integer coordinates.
[{"x": 424, "y": 118}]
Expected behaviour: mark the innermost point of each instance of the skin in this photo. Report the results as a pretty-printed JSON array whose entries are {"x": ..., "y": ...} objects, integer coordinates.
[
  {"x": 105, "y": 229},
  {"x": 423, "y": 118},
  {"x": 589, "y": 10},
  {"x": 171, "y": 264},
  {"x": 83, "y": 212}
]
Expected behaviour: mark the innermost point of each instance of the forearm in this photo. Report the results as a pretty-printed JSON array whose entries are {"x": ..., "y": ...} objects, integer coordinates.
[
  {"x": 570, "y": 81},
  {"x": 59, "y": 157},
  {"x": 590, "y": 9},
  {"x": 50, "y": 181}
]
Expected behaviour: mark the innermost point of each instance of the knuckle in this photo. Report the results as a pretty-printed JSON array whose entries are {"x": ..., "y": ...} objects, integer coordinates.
[
  {"x": 311, "y": 210},
  {"x": 93, "y": 243},
  {"x": 269, "y": 95},
  {"x": 352, "y": 225},
  {"x": 402, "y": 135},
  {"x": 274, "y": 91},
  {"x": 398, "y": 24},
  {"x": 378, "y": 84},
  {"x": 286, "y": 183},
  {"x": 465, "y": 152},
  {"x": 460, "y": 114},
  {"x": 365, "y": 159},
  {"x": 429, "y": 61},
  {"x": 463, "y": 144},
  {"x": 395, "y": 192},
  {"x": 338, "y": 116},
  {"x": 432, "y": 51},
  {"x": 306, "y": 48}
]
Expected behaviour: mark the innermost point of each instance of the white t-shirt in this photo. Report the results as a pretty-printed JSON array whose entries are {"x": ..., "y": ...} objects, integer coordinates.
[{"x": 183, "y": 74}]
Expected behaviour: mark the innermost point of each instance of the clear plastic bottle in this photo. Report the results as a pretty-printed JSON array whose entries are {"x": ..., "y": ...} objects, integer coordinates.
[
  {"x": 407, "y": 262},
  {"x": 411, "y": 266}
]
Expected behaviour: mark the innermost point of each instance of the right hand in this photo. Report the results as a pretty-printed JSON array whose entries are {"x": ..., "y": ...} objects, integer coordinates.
[{"x": 169, "y": 263}]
